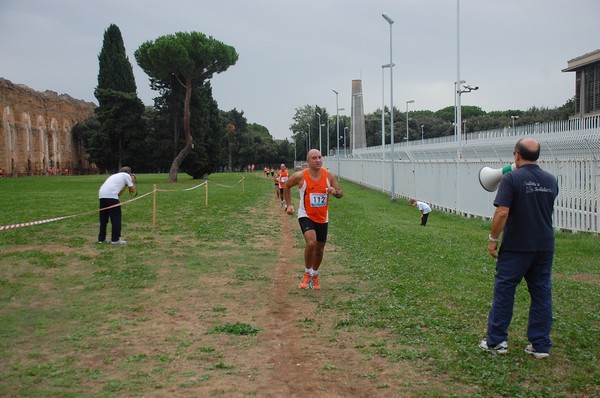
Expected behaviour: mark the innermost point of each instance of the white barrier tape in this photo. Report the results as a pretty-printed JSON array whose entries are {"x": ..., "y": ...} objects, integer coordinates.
[
  {"x": 27, "y": 224},
  {"x": 227, "y": 186},
  {"x": 178, "y": 190},
  {"x": 30, "y": 223}
]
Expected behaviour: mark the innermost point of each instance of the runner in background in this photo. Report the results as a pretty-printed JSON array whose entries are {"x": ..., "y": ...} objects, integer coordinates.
[{"x": 283, "y": 174}]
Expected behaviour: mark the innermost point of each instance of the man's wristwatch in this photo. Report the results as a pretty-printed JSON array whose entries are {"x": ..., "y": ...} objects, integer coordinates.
[{"x": 492, "y": 239}]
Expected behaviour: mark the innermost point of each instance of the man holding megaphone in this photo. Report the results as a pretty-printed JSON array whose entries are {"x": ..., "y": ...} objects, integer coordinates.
[{"x": 524, "y": 207}]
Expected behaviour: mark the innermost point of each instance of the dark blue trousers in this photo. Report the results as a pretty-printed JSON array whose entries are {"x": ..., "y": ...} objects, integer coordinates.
[
  {"x": 114, "y": 214},
  {"x": 511, "y": 268}
]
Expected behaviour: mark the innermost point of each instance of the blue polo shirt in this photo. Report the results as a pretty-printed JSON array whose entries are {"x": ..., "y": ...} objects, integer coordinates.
[{"x": 529, "y": 192}]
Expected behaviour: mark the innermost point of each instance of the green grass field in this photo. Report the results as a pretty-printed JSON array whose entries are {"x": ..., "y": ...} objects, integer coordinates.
[{"x": 417, "y": 297}]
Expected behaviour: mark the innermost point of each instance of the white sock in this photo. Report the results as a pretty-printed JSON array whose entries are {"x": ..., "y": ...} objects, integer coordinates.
[
  {"x": 308, "y": 271},
  {"x": 313, "y": 272}
]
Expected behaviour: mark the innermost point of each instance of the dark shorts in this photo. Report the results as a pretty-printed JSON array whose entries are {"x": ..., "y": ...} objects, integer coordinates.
[{"x": 307, "y": 224}]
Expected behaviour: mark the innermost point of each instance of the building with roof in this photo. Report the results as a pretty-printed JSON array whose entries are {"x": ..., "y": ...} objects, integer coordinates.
[{"x": 587, "y": 83}]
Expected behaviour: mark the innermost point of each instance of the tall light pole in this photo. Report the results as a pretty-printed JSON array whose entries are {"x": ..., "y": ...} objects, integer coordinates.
[
  {"x": 327, "y": 137},
  {"x": 422, "y": 126},
  {"x": 383, "y": 67},
  {"x": 337, "y": 122},
  {"x": 383, "y": 124},
  {"x": 460, "y": 89},
  {"x": 319, "y": 115},
  {"x": 383, "y": 113},
  {"x": 345, "y": 129},
  {"x": 390, "y": 21},
  {"x": 458, "y": 110},
  {"x": 305, "y": 140},
  {"x": 407, "y": 102},
  {"x": 308, "y": 124},
  {"x": 295, "y": 145},
  {"x": 513, "y": 122}
]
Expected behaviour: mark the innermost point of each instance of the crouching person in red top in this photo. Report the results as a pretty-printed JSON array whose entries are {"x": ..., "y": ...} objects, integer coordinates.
[{"x": 315, "y": 185}]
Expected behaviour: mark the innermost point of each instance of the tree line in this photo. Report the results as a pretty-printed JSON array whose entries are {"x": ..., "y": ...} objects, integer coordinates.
[
  {"x": 185, "y": 131},
  {"x": 422, "y": 124}
]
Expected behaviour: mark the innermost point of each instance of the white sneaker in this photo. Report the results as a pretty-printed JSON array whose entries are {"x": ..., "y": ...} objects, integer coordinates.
[
  {"x": 501, "y": 348},
  {"x": 537, "y": 355},
  {"x": 119, "y": 242}
]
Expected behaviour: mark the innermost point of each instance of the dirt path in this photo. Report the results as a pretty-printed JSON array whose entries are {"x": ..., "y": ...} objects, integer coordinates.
[
  {"x": 288, "y": 353},
  {"x": 312, "y": 359}
]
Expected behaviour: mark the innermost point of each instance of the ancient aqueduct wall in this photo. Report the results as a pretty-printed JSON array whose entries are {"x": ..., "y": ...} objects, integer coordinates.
[{"x": 36, "y": 131}]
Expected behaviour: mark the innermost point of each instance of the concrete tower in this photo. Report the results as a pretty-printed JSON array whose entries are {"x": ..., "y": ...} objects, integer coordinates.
[{"x": 358, "y": 136}]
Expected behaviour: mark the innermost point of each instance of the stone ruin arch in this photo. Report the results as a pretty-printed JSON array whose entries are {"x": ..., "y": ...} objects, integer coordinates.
[{"x": 36, "y": 132}]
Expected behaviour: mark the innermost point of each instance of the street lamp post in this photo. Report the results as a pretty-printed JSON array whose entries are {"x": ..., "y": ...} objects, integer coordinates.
[
  {"x": 457, "y": 106},
  {"x": 422, "y": 132},
  {"x": 390, "y": 21},
  {"x": 513, "y": 122},
  {"x": 337, "y": 122},
  {"x": 457, "y": 101},
  {"x": 309, "y": 144},
  {"x": 345, "y": 129},
  {"x": 319, "y": 115},
  {"x": 337, "y": 134},
  {"x": 466, "y": 88},
  {"x": 327, "y": 137},
  {"x": 383, "y": 124},
  {"x": 305, "y": 140},
  {"x": 407, "y": 102},
  {"x": 295, "y": 145}
]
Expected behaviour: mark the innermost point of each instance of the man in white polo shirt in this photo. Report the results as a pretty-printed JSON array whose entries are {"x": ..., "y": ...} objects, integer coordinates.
[
  {"x": 109, "y": 193},
  {"x": 423, "y": 208}
]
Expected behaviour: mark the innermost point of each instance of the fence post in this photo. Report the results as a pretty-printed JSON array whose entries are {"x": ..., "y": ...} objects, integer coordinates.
[
  {"x": 206, "y": 192},
  {"x": 154, "y": 207}
]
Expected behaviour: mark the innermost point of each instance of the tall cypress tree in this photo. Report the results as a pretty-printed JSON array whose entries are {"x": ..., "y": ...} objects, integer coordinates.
[{"x": 120, "y": 110}]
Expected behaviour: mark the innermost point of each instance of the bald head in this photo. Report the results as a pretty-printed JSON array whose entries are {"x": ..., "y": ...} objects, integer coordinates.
[
  {"x": 314, "y": 159},
  {"x": 528, "y": 148},
  {"x": 312, "y": 153}
]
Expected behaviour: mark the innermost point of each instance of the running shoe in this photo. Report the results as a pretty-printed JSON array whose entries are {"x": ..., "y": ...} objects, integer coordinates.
[
  {"x": 315, "y": 282},
  {"x": 305, "y": 281}
]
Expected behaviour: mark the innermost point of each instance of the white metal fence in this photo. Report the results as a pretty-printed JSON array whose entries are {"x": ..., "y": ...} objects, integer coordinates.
[{"x": 432, "y": 170}]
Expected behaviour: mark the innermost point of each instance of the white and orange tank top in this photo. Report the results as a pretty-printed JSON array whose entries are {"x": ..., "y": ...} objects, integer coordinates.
[
  {"x": 314, "y": 199},
  {"x": 283, "y": 177}
]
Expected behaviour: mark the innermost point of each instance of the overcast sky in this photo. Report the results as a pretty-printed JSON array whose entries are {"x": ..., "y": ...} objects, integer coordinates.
[{"x": 293, "y": 53}]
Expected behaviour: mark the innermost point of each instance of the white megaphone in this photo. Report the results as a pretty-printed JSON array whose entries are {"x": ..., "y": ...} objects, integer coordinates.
[{"x": 490, "y": 178}]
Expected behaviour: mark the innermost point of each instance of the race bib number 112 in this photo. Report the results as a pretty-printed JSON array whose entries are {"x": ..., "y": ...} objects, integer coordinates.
[{"x": 318, "y": 200}]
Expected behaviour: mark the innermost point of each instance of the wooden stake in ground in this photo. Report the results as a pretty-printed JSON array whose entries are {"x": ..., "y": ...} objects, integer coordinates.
[
  {"x": 206, "y": 193},
  {"x": 154, "y": 207}
]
